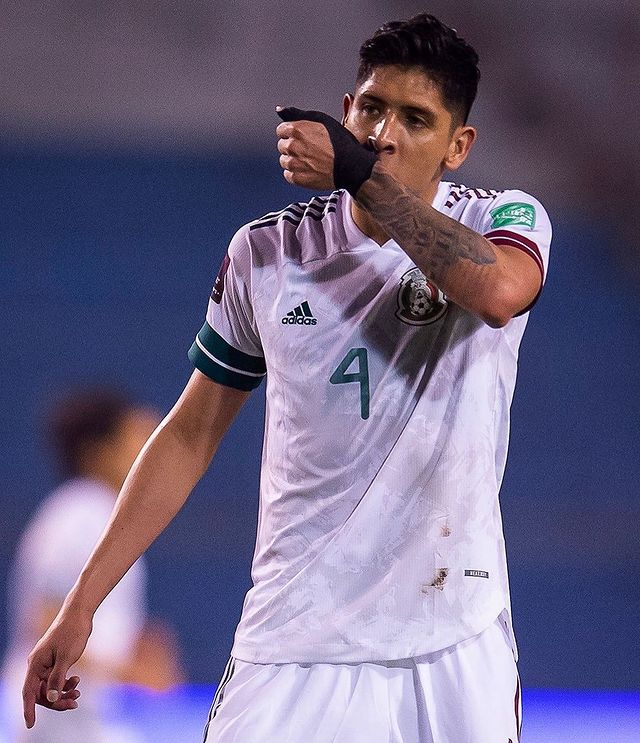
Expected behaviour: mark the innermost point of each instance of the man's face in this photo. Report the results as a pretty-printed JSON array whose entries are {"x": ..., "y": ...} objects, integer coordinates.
[{"x": 415, "y": 134}]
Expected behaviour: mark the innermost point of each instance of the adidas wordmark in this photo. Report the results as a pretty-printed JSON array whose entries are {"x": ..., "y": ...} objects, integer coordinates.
[{"x": 300, "y": 315}]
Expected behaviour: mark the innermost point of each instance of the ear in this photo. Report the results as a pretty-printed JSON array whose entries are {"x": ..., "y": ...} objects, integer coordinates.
[
  {"x": 347, "y": 102},
  {"x": 461, "y": 143}
]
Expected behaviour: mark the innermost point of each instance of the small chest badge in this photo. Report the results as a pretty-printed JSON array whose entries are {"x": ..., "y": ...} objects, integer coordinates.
[{"x": 420, "y": 302}]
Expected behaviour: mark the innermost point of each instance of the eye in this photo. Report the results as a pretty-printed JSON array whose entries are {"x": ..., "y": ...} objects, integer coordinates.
[
  {"x": 415, "y": 122},
  {"x": 369, "y": 109}
]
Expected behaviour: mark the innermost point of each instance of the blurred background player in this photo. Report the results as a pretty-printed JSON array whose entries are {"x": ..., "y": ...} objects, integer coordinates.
[{"x": 96, "y": 434}]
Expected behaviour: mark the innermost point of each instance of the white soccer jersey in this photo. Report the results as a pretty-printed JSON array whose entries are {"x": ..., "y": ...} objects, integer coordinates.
[{"x": 379, "y": 530}]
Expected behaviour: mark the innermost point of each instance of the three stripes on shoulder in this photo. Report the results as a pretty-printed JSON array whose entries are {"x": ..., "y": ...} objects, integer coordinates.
[{"x": 316, "y": 209}]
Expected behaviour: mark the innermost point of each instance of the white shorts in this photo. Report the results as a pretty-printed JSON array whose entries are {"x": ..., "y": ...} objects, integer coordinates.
[{"x": 468, "y": 693}]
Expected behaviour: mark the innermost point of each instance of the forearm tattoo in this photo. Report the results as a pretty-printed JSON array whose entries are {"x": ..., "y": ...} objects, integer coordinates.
[{"x": 435, "y": 241}]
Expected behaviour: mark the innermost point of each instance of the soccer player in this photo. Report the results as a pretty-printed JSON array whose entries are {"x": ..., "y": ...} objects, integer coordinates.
[{"x": 386, "y": 318}]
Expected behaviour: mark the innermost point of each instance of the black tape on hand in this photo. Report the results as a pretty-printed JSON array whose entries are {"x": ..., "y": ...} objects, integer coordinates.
[{"x": 352, "y": 162}]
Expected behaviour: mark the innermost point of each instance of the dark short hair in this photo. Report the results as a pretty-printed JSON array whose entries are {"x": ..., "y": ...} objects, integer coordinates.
[
  {"x": 426, "y": 42},
  {"x": 81, "y": 419}
]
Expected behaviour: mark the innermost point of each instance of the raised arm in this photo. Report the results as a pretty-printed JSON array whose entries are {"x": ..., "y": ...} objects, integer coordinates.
[
  {"x": 162, "y": 477},
  {"x": 491, "y": 280},
  {"x": 494, "y": 281}
]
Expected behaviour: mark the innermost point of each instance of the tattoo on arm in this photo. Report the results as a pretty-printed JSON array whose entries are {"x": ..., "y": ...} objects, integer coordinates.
[{"x": 429, "y": 237}]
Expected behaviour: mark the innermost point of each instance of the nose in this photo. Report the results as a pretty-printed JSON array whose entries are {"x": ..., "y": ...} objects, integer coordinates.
[{"x": 384, "y": 138}]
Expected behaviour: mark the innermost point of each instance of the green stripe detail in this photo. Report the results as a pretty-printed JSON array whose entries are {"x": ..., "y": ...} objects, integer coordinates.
[
  {"x": 219, "y": 374},
  {"x": 218, "y": 347}
]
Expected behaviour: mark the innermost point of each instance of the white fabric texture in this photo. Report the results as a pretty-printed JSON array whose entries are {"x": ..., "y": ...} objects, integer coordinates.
[
  {"x": 464, "y": 694},
  {"x": 379, "y": 531}
]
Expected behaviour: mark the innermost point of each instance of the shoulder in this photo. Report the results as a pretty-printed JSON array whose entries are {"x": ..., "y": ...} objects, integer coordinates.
[
  {"x": 463, "y": 195},
  {"x": 301, "y": 231},
  {"x": 315, "y": 210},
  {"x": 482, "y": 208}
]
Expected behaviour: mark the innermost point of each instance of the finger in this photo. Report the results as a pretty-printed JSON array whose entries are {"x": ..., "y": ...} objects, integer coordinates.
[
  {"x": 62, "y": 705},
  {"x": 288, "y": 113},
  {"x": 297, "y": 114},
  {"x": 285, "y": 130},
  {"x": 290, "y": 163},
  {"x": 36, "y": 672},
  {"x": 64, "y": 700},
  {"x": 29, "y": 694},
  {"x": 284, "y": 146},
  {"x": 41, "y": 697},
  {"x": 71, "y": 683},
  {"x": 57, "y": 680},
  {"x": 299, "y": 178}
]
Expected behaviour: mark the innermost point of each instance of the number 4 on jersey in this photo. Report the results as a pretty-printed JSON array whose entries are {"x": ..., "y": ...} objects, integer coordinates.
[{"x": 340, "y": 376}]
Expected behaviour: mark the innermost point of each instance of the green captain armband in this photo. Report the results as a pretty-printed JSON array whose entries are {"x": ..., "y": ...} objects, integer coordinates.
[{"x": 223, "y": 363}]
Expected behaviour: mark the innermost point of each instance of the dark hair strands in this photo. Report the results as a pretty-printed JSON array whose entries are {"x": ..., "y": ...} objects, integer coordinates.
[
  {"x": 84, "y": 418},
  {"x": 427, "y": 43}
]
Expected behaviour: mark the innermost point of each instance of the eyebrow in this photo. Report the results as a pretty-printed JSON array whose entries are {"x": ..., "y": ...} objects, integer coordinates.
[{"x": 427, "y": 113}]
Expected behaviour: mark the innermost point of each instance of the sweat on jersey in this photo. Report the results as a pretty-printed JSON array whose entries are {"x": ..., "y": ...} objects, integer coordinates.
[{"x": 387, "y": 420}]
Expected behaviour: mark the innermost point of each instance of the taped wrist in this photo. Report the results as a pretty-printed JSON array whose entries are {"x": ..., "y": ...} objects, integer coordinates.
[{"x": 352, "y": 162}]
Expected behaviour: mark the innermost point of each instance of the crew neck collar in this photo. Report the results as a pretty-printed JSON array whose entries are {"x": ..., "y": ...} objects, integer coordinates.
[{"x": 355, "y": 236}]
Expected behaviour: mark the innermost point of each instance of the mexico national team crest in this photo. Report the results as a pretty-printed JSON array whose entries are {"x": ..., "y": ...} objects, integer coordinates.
[{"x": 420, "y": 302}]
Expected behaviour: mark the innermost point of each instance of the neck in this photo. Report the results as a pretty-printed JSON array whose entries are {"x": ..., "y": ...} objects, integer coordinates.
[{"x": 367, "y": 224}]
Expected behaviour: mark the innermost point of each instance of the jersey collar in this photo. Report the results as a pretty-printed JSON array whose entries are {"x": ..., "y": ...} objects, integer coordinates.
[{"x": 356, "y": 238}]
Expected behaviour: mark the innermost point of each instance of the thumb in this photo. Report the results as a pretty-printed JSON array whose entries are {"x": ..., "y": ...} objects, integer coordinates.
[
  {"x": 289, "y": 113},
  {"x": 56, "y": 681}
]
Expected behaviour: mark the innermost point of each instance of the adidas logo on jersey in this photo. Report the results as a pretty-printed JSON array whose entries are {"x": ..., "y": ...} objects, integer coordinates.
[{"x": 300, "y": 315}]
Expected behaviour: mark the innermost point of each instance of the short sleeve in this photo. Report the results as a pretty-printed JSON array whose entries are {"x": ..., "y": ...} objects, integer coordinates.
[
  {"x": 519, "y": 220},
  {"x": 228, "y": 349}
]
